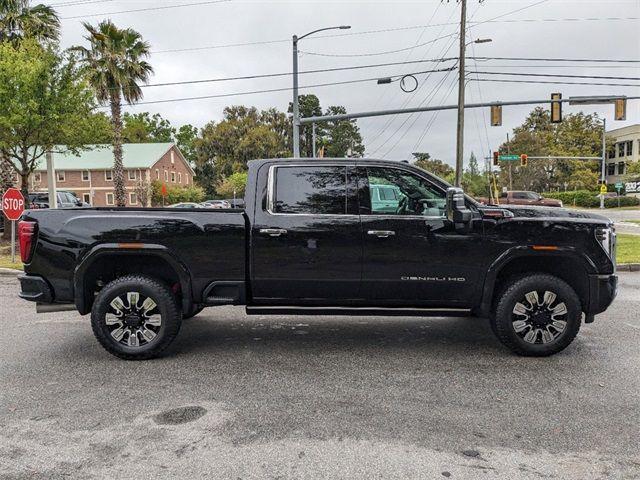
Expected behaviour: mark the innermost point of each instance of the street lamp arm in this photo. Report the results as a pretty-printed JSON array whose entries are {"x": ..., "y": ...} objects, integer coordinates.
[{"x": 340, "y": 27}]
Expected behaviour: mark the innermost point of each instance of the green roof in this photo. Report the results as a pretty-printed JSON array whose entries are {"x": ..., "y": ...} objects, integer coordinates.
[{"x": 100, "y": 157}]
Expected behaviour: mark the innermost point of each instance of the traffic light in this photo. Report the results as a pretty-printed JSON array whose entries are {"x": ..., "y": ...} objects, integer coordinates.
[
  {"x": 496, "y": 159},
  {"x": 496, "y": 115},
  {"x": 620, "y": 109},
  {"x": 524, "y": 160},
  {"x": 556, "y": 108}
]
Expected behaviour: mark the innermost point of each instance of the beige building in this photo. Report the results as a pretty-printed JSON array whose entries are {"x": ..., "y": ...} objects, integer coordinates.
[
  {"x": 90, "y": 175},
  {"x": 625, "y": 151}
]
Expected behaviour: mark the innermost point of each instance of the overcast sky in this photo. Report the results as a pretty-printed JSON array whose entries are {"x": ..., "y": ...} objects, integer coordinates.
[{"x": 524, "y": 28}]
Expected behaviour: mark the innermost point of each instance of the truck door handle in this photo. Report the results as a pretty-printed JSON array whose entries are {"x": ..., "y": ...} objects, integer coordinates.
[
  {"x": 381, "y": 233},
  {"x": 273, "y": 232}
]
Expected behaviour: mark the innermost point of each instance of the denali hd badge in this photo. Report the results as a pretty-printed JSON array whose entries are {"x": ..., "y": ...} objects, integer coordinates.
[{"x": 434, "y": 279}]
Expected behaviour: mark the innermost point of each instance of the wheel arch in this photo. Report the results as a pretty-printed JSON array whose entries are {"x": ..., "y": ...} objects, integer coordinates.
[
  {"x": 106, "y": 262},
  {"x": 568, "y": 265}
]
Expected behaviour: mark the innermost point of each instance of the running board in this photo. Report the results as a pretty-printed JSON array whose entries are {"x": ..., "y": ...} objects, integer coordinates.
[
  {"x": 54, "y": 307},
  {"x": 360, "y": 311}
]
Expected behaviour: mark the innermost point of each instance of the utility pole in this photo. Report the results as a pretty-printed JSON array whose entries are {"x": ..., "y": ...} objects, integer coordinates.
[
  {"x": 313, "y": 140},
  {"x": 51, "y": 180},
  {"x": 296, "y": 108},
  {"x": 460, "y": 129},
  {"x": 510, "y": 178},
  {"x": 604, "y": 158}
]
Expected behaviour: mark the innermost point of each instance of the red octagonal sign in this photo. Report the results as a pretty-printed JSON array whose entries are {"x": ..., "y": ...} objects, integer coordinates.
[{"x": 13, "y": 204}]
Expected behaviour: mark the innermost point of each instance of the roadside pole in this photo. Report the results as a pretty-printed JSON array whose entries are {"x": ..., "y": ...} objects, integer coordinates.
[
  {"x": 604, "y": 158},
  {"x": 51, "y": 181},
  {"x": 460, "y": 129},
  {"x": 313, "y": 143},
  {"x": 13, "y": 241}
]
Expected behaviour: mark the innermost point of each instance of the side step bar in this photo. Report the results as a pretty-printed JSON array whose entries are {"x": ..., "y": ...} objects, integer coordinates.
[
  {"x": 54, "y": 307},
  {"x": 363, "y": 311}
]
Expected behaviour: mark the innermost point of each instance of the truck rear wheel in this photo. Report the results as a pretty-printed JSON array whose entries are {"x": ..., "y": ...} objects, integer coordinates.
[
  {"x": 135, "y": 317},
  {"x": 537, "y": 315}
]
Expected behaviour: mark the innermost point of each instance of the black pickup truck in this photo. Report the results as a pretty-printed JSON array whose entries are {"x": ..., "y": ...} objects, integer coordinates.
[{"x": 314, "y": 238}]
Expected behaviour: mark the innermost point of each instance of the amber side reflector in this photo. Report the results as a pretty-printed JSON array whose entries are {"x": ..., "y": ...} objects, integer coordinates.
[
  {"x": 131, "y": 245},
  {"x": 545, "y": 247}
]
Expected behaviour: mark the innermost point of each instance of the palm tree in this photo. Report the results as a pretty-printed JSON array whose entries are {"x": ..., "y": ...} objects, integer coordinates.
[
  {"x": 18, "y": 20},
  {"x": 114, "y": 66}
]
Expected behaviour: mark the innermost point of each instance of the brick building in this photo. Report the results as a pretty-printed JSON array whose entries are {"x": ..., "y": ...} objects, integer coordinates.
[{"x": 90, "y": 175}]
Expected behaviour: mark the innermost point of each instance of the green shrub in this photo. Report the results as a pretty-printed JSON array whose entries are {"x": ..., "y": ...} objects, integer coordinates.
[
  {"x": 587, "y": 199},
  {"x": 176, "y": 194}
]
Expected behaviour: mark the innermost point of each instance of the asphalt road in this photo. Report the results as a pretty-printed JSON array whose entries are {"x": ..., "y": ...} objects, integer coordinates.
[{"x": 290, "y": 397}]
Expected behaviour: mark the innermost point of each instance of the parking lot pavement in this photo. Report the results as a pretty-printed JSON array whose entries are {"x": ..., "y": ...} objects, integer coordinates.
[{"x": 321, "y": 397}]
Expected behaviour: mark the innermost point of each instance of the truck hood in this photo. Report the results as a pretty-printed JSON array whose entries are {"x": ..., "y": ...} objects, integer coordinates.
[{"x": 522, "y": 211}]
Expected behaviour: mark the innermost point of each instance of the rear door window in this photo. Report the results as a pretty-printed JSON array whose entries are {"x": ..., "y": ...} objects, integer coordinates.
[{"x": 311, "y": 190}]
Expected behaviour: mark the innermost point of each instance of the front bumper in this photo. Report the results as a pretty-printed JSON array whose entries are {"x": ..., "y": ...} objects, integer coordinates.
[
  {"x": 602, "y": 291},
  {"x": 35, "y": 289}
]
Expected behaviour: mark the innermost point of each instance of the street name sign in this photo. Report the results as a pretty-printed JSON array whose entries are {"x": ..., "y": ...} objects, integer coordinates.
[{"x": 509, "y": 157}]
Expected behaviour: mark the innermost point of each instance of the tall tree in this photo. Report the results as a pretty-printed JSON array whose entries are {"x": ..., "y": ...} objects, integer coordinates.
[
  {"x": 146, "y": 128},
  {"x": 115, "y": 66},
  {"x": 309, "y": 106},
  {"x": 341, "y": 138},
  {"x": 44, "y": 101},
  {"x": 19, "y": 20},
  {"x": 578, "y": 134},
  {"x": 434, "y": 166}
]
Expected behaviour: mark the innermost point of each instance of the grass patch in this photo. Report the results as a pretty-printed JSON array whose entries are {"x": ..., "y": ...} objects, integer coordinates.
[
  {"x": 5, "y": 256},
  {"x": 628, "y": 248},
  {"x": 632, "y": 221}
]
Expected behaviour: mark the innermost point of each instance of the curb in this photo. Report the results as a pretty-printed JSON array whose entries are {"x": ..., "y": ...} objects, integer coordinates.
[
  {"x": 9, "y": 272},
  {"x": 628, "y": 267}
]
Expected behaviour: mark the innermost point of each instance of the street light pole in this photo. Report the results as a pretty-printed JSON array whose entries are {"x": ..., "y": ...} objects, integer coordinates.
[
  {"x": 604, "y": 157},
  {"x": 296, "y": 106},
  {"x": 460, "y": 127}
]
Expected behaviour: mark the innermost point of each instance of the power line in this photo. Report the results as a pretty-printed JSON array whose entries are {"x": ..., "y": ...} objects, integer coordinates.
[
  {"x": 369, "y": 32},
  {"x": 77, "y": 3},
  {"x": 166, "y": 7},
  {"x": 525, "y": 74},
  {"x": 271, "y": 90},
  {"x": 284, "y": 74},
  {"x": 529, "y": 59},
  {"x": 348, "y": 55},
  {"x": 554, "y": 83}
]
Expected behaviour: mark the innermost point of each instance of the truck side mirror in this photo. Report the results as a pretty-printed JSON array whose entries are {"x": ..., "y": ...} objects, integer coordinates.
[{"x": 457, "y": 211}]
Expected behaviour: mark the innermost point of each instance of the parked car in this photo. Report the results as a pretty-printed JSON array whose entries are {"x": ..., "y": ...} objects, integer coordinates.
[
  {"x": 235, "y": 202},
  {"x": 312, "y": 239},
  {"x": 217, "y": 204},
  {"x": 186, "y": 205},
  {"x": 65, "y": 200},
  {"x": 522, "y": 197}
]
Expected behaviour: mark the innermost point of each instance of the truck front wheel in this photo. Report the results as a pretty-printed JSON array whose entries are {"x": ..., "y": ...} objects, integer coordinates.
[
  {"x": 537, "y": 315},
  {"x": 135, "y": 317}
]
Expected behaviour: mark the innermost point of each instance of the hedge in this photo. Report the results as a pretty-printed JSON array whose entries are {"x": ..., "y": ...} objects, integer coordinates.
[{"x": 587, "y": 199}]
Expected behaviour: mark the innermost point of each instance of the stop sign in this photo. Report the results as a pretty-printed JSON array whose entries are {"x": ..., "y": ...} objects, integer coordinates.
[{"x": 13, "y": 204}]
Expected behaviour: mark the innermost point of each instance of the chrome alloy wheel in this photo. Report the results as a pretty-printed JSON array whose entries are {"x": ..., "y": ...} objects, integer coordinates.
[
  {"x": 539, "y": 321},
  {"x": 133, "y": 319}
]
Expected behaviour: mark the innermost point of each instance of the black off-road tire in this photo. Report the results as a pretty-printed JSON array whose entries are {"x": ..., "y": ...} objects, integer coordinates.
[
  {"x": 167, "y": 309},
  {"x": 195, "y": 310},
  {"x": 502, "y": 320}
]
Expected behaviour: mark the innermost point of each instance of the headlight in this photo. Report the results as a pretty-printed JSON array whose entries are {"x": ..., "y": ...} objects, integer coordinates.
[{"x": 606, "y": 237}]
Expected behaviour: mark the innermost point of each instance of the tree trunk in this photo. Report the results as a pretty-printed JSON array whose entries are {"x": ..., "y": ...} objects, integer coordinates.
[{"x": 118, "y": 166}]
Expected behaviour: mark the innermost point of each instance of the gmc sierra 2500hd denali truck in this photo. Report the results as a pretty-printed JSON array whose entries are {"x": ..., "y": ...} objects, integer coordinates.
[{"x": 314, "y": 239}]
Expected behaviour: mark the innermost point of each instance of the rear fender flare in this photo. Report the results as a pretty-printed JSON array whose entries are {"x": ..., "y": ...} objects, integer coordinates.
[{"x": 151, "y": 250}]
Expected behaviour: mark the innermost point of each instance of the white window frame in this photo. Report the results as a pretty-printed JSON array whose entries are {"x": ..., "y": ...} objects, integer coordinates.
[
  {"x": 110, "y": 177},
  {"x": 88, "y": 175},
  {"x": 179, "y": 177},
  {"x": 129, "y": 172},
  {"x": 157, "y": 174},
  {"x": 133, "y": 195},
  {"x": 113, "y": 198},
  {"x": 173, "y": 159},
  {"x": 166, "y": 176},
  {"x": 37, "y": 177},
  {"x": 61, "y": 176},
  {"x": 173, "y": 177},
  {"x": 186, "y": 179},
  {"x": 86, "y": 197}
]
